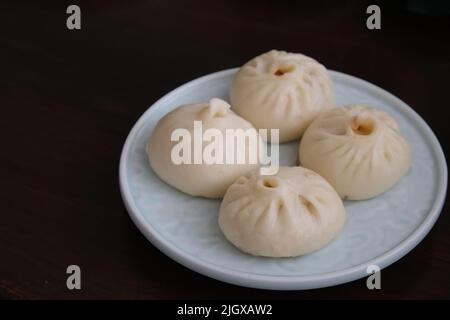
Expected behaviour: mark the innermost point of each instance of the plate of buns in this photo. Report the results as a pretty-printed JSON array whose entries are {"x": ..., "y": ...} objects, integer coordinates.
[{"x": 357, "y": 178}]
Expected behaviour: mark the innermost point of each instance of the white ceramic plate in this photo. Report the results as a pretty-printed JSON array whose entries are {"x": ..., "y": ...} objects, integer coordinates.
[{"x": 377, "y": 231}]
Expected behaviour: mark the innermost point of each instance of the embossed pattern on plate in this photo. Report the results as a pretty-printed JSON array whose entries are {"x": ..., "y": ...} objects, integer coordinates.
[{"x": 377, "y": 231}]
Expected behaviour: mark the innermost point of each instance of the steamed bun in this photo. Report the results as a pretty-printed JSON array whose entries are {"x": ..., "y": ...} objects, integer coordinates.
[
  {"x": 288, "y": 214},
  {"x": 281, "y": 90},
  {"x": 358, "y": 149},
  {"x": 206, "y": 180}
]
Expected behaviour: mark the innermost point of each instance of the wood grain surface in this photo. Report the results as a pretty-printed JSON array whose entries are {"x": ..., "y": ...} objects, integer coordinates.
[{"x": 69, "y": 99}]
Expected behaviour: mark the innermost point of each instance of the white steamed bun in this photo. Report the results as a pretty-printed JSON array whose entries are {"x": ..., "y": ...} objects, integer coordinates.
[
  {"x": 281, "y": 90},
  {"x": 288, "y": 214},
  {"x": 358, "y": 149},
  {"x": 206, "y": 180}
]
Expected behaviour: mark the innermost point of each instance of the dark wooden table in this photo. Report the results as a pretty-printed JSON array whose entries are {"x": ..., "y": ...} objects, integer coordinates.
[{"x": 69, "y": 99}]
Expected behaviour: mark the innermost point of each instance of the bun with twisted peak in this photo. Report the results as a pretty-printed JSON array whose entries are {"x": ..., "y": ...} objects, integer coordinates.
[{"x": 201, "y": 179}]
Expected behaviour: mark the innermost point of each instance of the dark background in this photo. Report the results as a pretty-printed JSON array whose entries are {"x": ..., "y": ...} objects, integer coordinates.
[{"x": 69, "y": 99}]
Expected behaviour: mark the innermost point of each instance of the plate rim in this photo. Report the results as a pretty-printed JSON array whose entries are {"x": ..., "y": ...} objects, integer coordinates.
[{"x": 280, "y": 282}]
